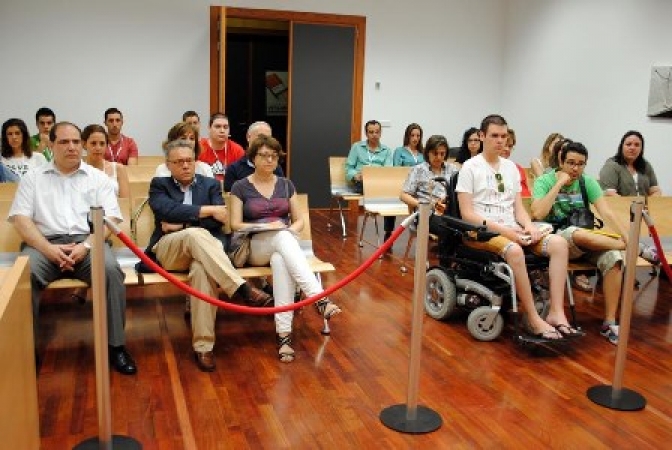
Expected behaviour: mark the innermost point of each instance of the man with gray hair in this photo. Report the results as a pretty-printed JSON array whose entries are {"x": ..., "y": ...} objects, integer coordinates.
[
  {"x": 189, "y": 212},
  {"x": 243, "y": 167}
]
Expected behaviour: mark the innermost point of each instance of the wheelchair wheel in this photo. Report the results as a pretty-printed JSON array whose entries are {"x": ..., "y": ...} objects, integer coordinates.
[
  {"x": 479, "y": 326},
  {"x": 441, "y": 295}
]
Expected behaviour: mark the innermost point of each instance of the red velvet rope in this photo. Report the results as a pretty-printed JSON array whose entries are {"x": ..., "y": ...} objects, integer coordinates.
[
  {"x": 253, "y": 309},
  {"x": 661, "y": 253}
]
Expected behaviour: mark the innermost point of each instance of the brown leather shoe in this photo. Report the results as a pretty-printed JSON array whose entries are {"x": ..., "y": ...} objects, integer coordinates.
[
  {"x": 257, "y": 297},
  {"x": 205, "y": 361}
]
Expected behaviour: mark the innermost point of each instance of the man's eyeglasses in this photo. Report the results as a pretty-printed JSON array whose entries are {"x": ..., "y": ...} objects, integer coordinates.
[
  {"x": 572, "y": 164},
  {"x": 500, "y": 182},
  {"x": 179, "y": 162}
]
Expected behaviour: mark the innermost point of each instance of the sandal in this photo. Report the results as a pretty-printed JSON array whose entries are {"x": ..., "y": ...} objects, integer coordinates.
[
  {"x": 285, "y": 341},
  {"x": 326, "y": 308},
  {"x": 582, "y": 283},
  {"x": 569, "y": 332},
  {"x": 549, "y": 335}
]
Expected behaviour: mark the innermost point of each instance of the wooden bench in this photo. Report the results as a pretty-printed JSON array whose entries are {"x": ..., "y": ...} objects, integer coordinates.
[
  {"x": 143, "y": 226},
  {"x": 7, "y": 190},
  {"x": 140, "y": 228},
  {"x": 10, "y": 248},
  {"x": 340, "y": 191}
]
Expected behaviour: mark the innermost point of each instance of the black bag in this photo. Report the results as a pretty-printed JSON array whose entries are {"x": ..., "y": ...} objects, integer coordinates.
[{"x": 583, "y": 217}]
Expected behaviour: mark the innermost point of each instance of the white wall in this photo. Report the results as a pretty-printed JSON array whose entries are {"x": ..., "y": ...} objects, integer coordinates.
[
  {"x": 79, "y": 57},
  {"x": 438, "y": 61},
  {"x": 582, "y": 68}
]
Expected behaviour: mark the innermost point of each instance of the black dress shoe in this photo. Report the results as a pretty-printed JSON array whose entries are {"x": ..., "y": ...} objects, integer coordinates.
[
  {"x": 122, "y": 361},
  {"x": 205, "y": 361}
]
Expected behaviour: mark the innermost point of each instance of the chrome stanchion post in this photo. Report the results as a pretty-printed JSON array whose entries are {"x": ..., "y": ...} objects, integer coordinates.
[
  {"x": 616, "y": 396},
  {"x": 411, "y": 417},
  {"x": 105, "y": 440}
]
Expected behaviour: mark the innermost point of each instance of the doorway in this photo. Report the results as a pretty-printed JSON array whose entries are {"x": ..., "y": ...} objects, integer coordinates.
[
  {"x": 273, "y": 56},
  {"x": 255, "y": 52}
]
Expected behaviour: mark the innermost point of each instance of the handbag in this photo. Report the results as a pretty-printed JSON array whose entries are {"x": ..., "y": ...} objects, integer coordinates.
[
  {"x": 583, "y": 217},
  {"x": 240, "y": 250}
]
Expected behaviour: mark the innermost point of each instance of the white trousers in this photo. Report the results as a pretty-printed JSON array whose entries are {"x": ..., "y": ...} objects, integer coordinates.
[{"x": 289, "y": 267}]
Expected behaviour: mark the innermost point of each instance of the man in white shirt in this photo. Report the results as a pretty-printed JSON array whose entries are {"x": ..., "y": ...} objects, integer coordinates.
[
  {"x": 488, "y": 190},
  {"x": 50, "y": 212}
]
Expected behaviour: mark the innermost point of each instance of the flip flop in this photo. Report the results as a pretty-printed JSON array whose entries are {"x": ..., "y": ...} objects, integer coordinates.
[
  {"x": 549, "y": 335},
  {"x": 568, "y": 332}
]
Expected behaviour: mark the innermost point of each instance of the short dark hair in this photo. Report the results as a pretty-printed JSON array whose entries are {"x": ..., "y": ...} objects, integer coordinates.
[
  {"x": 371, "y": 122},
  {"x": 640, "y": 162},
  {"x": 94, "y": 128},
  {"x": 433, "y": 143},
  {"x": 188, "y": 114},
  {"x": 215, "y": 116},
  {"x": 44, "y": 112},
  {"x": 264, "y": 141},
  {"x": 25, "y": 142},
  {"x": 109, "y": 111},
  {"x": 57, "y": 125},
  {"x": 492, "y": 119},
  {"x": 571, "y": 146}
]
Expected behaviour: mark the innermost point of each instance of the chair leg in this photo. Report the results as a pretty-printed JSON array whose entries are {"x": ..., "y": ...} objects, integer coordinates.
[
  {"x": 361, "y": 232},
  {"x": 375, "y": 222},
  {"x": 403, "y": 267},
  {"x": 331, "y": 210},
  {"x": 340, "y": 211}
]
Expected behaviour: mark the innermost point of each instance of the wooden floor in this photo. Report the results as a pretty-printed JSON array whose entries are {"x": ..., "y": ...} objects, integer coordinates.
[{"x": 489, "y": 395}]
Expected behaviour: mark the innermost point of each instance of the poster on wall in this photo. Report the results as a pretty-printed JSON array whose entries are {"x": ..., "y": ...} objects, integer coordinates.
[
  {"x": 276, "y": 93},
  {"x": 660, "y": 92}
]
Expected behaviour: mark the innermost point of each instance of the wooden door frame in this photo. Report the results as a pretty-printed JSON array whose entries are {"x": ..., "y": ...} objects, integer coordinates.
[{"x": 217, "y": 58}]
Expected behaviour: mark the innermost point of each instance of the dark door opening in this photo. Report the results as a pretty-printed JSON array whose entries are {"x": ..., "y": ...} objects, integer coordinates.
[{"x": 257, "y": 63}]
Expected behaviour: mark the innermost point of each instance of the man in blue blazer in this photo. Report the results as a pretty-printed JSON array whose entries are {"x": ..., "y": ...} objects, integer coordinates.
[{"x": 189, "y": 213}]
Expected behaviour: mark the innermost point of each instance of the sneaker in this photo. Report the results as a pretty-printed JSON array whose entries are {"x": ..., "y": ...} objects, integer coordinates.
[
  {"x": 649, "y": 253},
  {"x": 610, "y": 331}
]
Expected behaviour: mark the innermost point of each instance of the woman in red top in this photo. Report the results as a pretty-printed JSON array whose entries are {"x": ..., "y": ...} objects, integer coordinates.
[{"x": 217, "y": 149}]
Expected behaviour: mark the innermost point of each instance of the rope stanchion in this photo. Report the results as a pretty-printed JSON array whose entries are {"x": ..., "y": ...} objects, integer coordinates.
[
  {"x": 105, "y": 439},
  {"x": 252, "y": 309},
  {"x": 616, "y": 396},
  {"x": 659, "y": 247},
  {"x": 411, "y": 417}
]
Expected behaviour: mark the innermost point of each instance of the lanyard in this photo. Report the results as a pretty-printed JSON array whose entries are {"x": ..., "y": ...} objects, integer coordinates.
[{"x": 114, "y": 156}]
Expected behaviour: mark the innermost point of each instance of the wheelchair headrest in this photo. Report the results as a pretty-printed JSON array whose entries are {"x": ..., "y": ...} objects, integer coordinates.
[{"x": 453, "y": 205}]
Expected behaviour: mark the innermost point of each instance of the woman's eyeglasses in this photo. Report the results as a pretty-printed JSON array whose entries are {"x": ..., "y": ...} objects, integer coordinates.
[{"x": 500, "y": 182}]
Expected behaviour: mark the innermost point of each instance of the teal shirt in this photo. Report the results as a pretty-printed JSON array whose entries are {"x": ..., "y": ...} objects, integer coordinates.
[
  {"x": 404, "y": 157},
  {"x": 568, "y": 198},
  {"x": 361, "y": 156}
]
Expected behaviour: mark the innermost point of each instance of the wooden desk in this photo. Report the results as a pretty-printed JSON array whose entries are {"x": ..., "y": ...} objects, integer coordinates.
[{"x": 19, "y": 417}]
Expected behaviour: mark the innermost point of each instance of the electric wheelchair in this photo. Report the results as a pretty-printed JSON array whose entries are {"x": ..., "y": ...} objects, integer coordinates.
[{"x": 478, "y": 282}]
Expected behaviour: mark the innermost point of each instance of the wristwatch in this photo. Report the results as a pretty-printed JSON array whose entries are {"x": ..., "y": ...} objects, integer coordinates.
[{"x": 86, "y": 245}]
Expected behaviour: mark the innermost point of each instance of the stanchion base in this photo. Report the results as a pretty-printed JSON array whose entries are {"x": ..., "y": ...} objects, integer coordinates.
[
  {"x": 395, "y": 417},
  {"x": 118, "y": 442},
  {"x": 628, "y": 400}
]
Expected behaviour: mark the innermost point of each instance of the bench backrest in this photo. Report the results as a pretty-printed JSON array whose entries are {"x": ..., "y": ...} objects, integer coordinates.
[
  {"x": 140, "y": 173},
  {"x": 7, "y": 190},
  {"x": 143, "y": 220}
]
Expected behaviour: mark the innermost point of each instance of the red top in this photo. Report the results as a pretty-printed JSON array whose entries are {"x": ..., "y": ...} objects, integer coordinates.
[
  {"x": 120, "y": 152},
  {"x": 524, "y": 188},
  {"x": 220, "y": 159}
]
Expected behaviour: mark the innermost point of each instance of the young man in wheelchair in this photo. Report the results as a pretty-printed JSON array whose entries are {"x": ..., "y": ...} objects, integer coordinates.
[{"x": 488, "y": 192}]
